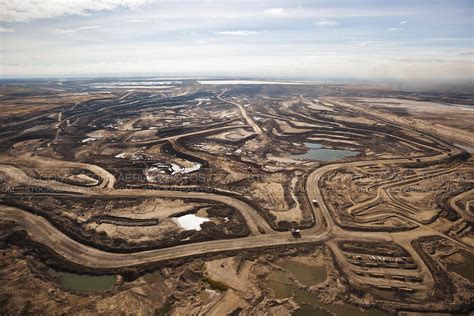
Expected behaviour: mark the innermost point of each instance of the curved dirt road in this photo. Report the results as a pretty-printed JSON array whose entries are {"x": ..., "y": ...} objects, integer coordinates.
[{"x": 45, "y": 233}]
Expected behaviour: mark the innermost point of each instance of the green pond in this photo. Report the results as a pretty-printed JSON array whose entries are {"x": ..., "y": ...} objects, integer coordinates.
[
  {"x": 83, "y": 282},
  {"x": 282, "y": 287},
  {"x": 465, "y": 268},
  {"x": 317, "y": 152},
  {"x": 304, "y": 273},
  {"x": 280, "y": 283}
]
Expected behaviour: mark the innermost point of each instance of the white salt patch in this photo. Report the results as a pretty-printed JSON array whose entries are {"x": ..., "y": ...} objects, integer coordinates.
[
  {"x": 90, "y": 139},
  {"x": 178, "y": 169},
  {"x": 160, "y": 168},
  {"x": 190, "y": 221},
  {"x": 121, "y": 155}
]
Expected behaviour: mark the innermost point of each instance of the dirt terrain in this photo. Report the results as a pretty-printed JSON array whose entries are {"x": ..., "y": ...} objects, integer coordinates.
[{"x": 234, "y": 200}]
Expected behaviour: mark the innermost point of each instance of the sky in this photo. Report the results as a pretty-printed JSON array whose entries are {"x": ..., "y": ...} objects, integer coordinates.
[{"x": 426, "y": 40}]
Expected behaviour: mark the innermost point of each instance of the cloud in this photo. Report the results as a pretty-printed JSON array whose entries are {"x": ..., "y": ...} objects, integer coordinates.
[
  {"x": 394, "y": 29},
  {"x": 278, "y": 12},
  {"x": 403, "y": 22},
  {"x": 237, "y": 33},
  {"x": 6, "y": 30},
  {"x": 135, "y": 21},
  {"x": 324, "y": 22},
  {"x": 27, "y": 10},
  {"x": 76, "y": 29},
  {"x": 91, "y": 27},
  {"x": 64, "y": 31},
  {"x": 450, "y": 39},
  {"x": 366, "y": 43}
]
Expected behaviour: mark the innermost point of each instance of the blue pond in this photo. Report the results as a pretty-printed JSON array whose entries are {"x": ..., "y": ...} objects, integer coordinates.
[{"x": 317, "y": 152}]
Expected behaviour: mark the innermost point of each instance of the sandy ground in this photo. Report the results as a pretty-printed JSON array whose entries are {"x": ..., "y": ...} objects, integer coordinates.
[
  {"x": 287, "y": 129},
  {"x": 155, "y": 208},
  {"x": 449, "y": 121},
  {"x": 137, "y": 234},
  {"x": 351, "y": 119},
  {"x": 233, "y": 135}
]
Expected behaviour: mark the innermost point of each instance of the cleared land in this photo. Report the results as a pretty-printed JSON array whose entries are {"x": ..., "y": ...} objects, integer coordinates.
[{"x": 95, "y": 182}]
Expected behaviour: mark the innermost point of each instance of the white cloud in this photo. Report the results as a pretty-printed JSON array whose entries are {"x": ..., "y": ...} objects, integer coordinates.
[
  {"x": 366, "y": 43},
  {"x": 324, "y": 22},
  {"x": 27, "y": 10},
  {"x": 279, "y": 12},
  {"x": 394, "y": 29},
  {"x": 76, "y": 29},
  {"x": 6, "y": 30},
  {"x": 403, "y": 22},
  {"x": 238, "y": 33},
  {"x": 135, "y": 21},
  {"x": 64, "y": 31},
  {"x": 91, "y": 27}
]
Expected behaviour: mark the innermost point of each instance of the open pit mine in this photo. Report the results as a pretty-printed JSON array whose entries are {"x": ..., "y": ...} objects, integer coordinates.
[{"x": 208, "y": 197}]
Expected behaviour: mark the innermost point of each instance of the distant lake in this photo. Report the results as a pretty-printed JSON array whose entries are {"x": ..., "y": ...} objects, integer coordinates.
[
  {"x": 247, "y": 82},
  {"x": 317, "y": 152}
]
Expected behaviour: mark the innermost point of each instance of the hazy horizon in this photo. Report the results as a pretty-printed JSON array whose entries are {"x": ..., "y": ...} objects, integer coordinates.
[{"x": 402, "y": 41}]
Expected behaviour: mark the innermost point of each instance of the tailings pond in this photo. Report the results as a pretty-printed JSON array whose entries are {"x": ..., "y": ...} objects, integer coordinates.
[
  {"x": 317, "y": 152},
  {"x": 83, "y": 282},
  {"x": 282, "y": 286}
]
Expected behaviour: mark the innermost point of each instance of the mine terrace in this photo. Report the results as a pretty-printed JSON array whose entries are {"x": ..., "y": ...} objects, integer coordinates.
[{"x": 226, "y": 197}]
